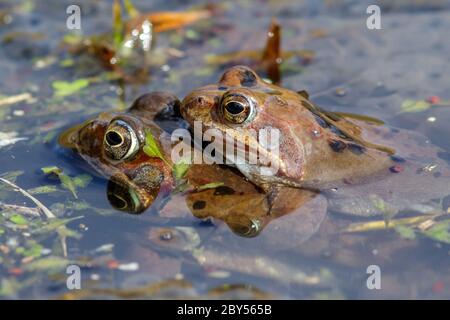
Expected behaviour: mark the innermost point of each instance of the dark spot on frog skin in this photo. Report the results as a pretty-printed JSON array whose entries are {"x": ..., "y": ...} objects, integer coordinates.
[
  {"x": 223, "y": 190},
  {"x": 339, "y": 133},
  {"x": 321, "y": 122},
  {"x": 248, "y": 79},
  {"x": 337, "y": 145},
  {"x": 356, "y": 148},
  {"x": 222, "y": 88},
  {"x": 397, "y": 159},
  {"x": 198, "y": 205}
]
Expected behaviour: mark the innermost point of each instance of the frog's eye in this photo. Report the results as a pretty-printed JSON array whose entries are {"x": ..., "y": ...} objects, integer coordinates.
[
  {"x": 236, "y": 108},
  {"x": 120, "y": 141}
]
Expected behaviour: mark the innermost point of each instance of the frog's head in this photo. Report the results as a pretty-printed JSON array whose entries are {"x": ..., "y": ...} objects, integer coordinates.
[
  {"x": 248, "y": 109},
  {"x": 112, "y": 144}
]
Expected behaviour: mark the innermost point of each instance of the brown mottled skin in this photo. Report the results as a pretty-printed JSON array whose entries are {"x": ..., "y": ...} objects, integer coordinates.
[
  {"x": 88, "y": 140},
  {"x": 305, "y": 157},
  {"x": 351, "y": 159}
]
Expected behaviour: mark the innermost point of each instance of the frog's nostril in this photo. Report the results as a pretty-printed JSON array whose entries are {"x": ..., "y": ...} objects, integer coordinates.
[
  {"x": 114, "y": 138},
  {"x": 200, "y": 100}
]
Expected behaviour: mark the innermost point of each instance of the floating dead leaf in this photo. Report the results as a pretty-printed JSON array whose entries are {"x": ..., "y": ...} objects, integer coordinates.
[{"x": 168, "y": 20}]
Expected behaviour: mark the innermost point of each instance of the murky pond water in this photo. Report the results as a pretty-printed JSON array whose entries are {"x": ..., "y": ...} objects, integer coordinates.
[{"x": 397, "y": 74}]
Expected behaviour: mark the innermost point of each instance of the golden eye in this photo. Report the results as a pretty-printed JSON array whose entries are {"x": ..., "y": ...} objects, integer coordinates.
[
  {"x": 120, "y": 141},
  {"x": 237, "y": 108}
]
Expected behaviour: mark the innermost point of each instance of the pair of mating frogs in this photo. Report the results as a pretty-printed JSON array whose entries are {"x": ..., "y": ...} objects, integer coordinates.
[{"x": 345, "y": 162}]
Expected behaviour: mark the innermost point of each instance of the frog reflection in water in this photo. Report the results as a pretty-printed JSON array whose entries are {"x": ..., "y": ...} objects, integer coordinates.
[
  {"x": 349, "y": 158},
  {"x": 112, "y": 144}
]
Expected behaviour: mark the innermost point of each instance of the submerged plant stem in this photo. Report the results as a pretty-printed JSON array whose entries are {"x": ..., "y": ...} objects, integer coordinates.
[{"x": 39, "y": 204}]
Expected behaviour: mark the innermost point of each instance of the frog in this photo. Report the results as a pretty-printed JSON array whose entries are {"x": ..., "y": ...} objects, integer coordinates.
[
  {"x": 357, "y": 162},
  {"x": 112, "y": 143}
]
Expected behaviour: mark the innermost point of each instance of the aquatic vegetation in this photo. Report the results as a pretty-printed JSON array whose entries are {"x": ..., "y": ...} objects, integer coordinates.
[{"x": 210, "y": 232}]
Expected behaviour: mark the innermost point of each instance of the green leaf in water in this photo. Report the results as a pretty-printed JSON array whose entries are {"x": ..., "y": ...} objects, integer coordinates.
[
  {"x": 117, "y": 24},
  {"x": 43, "y": 190},
  {"x": 67, "y": 63},
  {"x": 151, "y": 147},
  {"x": 405, "y": 232},
  {"x": 72, "y": 39},
  {"x": 415, "y": 105},
  {"x": 64, "y": 88},
  {"x": 51, "y": 169},
  {"x": 439, "y": 232},
  {"x": 47, "y": 264},
  {"x": 18, "y": 219},
  {"x": 180, "y": 169},
  {"x": 2, "y": 231},
  {"x": 53, "y": 225},
  {"x": 130, "y": 8},
  {"x": 383, "y": 207},
  {"x": 67, "y": 182},
  {"x": 82, "y": 180},
  {"x": 34, "y": 251}
]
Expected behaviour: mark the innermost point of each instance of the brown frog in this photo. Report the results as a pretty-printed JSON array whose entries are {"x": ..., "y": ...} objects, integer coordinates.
[
  {"x": 351, "y": 158},
  {"x": 113, "y": 144}
]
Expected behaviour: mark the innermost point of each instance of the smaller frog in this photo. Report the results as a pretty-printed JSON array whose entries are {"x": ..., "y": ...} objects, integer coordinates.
[{"x": 112, "y": 144}]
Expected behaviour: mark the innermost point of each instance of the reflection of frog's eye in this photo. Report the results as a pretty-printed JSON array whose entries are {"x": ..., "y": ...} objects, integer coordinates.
[
  {"x": 120, "y": 141},
  {"x": 236, "y": 108},
  {"x": 124, "y": 198},
  {"x": 245, "y": 227}
]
